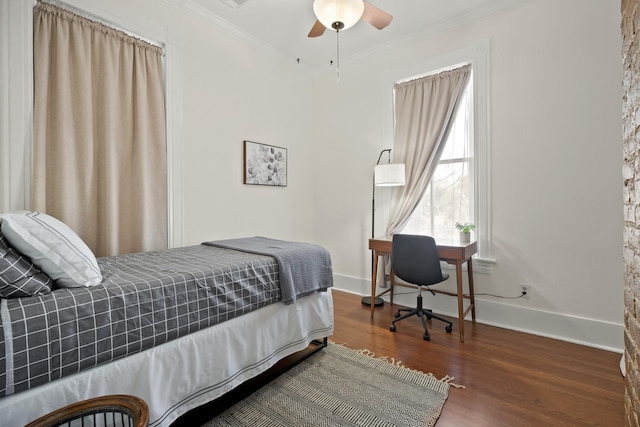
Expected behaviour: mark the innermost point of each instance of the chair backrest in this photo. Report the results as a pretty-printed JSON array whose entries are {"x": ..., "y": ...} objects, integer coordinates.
[
  {"x": 415, "y": 259},
  {"x": 113, "y": 410}
]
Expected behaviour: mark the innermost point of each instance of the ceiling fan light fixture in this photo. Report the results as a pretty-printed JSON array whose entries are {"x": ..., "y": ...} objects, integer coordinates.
[{"x": 338, "y": 14}]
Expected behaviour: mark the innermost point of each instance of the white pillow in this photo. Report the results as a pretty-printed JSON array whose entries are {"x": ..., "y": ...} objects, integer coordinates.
[{"x": 53, "y": 247}]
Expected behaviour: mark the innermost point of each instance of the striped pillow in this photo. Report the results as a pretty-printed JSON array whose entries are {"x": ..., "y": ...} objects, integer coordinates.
[
  {"x": 18, "y": 276},
  {"x": 53, "y": 247}
]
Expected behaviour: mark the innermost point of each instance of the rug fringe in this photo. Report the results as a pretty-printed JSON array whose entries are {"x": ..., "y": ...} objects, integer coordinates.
[
  {"x": 449, "y": 380},
  {"x": 364, "y": 351}
]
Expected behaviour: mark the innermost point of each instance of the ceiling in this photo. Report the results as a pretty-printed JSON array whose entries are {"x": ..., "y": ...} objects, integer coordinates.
[{"x": 282, "y": 25}]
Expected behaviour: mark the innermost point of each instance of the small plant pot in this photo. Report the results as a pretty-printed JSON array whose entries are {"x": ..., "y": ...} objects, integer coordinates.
[{"x": 465, "y": 237}]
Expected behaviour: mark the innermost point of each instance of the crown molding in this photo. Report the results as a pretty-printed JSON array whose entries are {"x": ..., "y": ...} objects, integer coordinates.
[
  {"x": 437, "y": 30},
  {"x": 195, "y": 10}
]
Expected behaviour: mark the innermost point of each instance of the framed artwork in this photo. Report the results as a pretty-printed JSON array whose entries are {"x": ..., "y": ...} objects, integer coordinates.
[{"x": 265, "y": 164}]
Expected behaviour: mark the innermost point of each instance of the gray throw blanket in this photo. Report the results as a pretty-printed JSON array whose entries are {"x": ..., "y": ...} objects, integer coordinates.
[{"x": 305, "y": 268}]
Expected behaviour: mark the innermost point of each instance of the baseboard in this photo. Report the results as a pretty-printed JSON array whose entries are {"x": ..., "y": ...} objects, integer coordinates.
[{"x": 580, "y": 330}]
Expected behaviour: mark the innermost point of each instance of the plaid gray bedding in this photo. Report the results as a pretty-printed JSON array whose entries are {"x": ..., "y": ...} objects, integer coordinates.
[
  {"x": 146, "y": 299},
  {"x": 305, "y": 268}
]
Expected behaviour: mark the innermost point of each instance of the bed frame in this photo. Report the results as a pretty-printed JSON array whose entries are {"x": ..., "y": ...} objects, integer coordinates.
[{"x": 191, "y": 370}]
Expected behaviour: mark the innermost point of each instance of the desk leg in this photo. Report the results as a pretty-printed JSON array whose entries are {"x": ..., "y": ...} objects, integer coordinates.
[
  {"x": 460, "y": 299},
  {"x": 374, "y": 276},
  {"x": 472, "y": 296}
]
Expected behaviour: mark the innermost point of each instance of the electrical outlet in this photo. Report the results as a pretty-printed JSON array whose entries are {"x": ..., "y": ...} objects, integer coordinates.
[{"x": 526, "y": 290}]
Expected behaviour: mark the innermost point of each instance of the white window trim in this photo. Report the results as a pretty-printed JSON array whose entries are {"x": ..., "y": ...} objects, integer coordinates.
[
  {"x": 478, "y": 55},
  {"x": 16, "y": 103}
]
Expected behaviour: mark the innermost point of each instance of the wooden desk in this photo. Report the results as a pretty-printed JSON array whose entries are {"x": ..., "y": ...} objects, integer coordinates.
[{"x": 453, "y": 252}]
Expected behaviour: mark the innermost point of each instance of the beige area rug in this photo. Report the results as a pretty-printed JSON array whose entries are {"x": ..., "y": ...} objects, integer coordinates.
[{"x": 342, "y": 387}]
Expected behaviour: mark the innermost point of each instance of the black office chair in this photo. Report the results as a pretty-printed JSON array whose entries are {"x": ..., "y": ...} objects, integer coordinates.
[{"x": 415, "y": 260}]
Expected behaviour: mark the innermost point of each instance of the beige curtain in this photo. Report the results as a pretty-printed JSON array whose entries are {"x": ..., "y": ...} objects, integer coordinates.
[
  {"x": 424, "y": 111},
  {"x": 99, "y": 133}
]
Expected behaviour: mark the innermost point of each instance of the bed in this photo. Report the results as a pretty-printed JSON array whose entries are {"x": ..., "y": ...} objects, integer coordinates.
[{"x": 178, "y": 328}]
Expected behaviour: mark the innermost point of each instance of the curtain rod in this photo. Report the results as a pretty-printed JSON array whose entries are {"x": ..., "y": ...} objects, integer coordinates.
[
  {"x": 433, "y": 73},
  {"x": 84, "y": 14}
]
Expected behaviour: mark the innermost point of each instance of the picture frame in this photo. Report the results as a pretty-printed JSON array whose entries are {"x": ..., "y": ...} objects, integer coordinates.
[{"x": 264, "y": 164}]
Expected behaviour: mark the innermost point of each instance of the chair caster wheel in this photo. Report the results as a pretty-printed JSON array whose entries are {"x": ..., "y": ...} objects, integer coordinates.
[
  {"x": 426, "y": 337},
  {"x": 392, "y": 328},
  {"x": 448, "y": 328}
]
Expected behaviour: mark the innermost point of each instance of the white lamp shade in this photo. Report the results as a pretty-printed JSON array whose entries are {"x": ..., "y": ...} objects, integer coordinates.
[
  {"x": 389, "y": 175},
  {"x": 346, "y": 11}
]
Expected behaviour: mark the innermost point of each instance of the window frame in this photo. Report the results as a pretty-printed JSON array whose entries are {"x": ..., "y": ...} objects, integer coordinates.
[
  {"x": 467, "y": 161},
  {"x": 478, "y": 55}
]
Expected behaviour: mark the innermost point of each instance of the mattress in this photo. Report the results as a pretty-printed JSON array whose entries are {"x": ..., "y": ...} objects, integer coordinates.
[{"x": 145, "y": 300}]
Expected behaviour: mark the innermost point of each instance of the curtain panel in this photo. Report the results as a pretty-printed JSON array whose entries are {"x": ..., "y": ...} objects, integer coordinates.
[
  {"x": 99, "y": 157},
  {"x": 424, "y": 113}
]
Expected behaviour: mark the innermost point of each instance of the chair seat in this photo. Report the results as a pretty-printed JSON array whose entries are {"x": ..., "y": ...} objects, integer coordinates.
[
  {"x": 415, "y": 260},
  {"x": 445, "y": 276}
]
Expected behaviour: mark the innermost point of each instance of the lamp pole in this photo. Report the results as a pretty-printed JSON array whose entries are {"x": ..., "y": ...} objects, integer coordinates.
[{"x": 367, "y": 300}]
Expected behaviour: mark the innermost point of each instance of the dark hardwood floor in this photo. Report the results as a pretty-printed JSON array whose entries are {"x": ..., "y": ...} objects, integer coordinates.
[{"x": 511, "y": 378}]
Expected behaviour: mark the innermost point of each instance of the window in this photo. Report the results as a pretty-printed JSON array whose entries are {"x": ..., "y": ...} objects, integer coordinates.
[
  {"x": 465, "y": 163},
  {"x": 15, "y": 193},
  {"x": 449, "y": 198}
]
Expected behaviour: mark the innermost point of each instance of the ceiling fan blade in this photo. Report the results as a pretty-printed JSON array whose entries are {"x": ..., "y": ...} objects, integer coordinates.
[
  {"x": 376, "y": 17},
  {"x": 316, "y": 30}
]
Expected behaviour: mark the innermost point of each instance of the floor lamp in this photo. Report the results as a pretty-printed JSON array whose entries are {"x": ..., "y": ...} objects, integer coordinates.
[{"x": 385, "y": 175}]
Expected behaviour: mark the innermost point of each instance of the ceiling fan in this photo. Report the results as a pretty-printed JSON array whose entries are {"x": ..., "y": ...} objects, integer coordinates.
[{"x": 342, "y": 14}]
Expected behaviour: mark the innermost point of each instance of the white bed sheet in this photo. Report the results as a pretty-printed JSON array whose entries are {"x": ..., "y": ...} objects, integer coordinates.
[{"x": 188, "y": 372}]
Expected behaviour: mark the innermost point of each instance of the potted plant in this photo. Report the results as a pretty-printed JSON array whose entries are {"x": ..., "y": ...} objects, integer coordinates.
[{"x": 465, "y": 229}]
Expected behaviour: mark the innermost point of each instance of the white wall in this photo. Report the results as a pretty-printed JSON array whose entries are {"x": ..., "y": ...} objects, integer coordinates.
[
  {"x": 232, "y": 93},
  {"x": 555, "y": 155}
]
